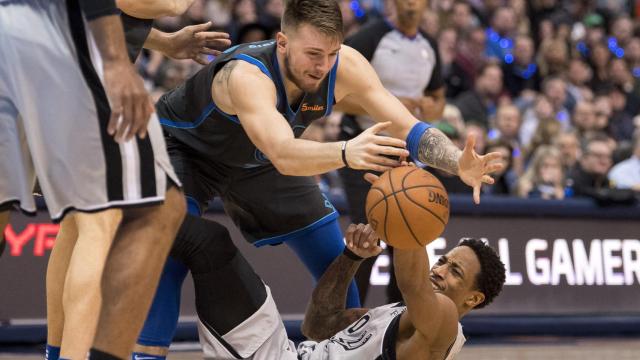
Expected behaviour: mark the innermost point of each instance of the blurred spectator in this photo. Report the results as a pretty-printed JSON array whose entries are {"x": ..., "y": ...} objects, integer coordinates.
[
  {"x": 452, "y": 115},
  {"x": 271, "y": 14},
  {"x": 599, "y": 61},
  {"x": 547, "y": 130},
  {"x": 521, "y": 73},
  {"x": 620, "y": 122},
  {"x": 568, "y": 143},
  {"x": 461, "y": 18},
  {"x": 632, "y": 55},
  {"x": 621, "y": 34},
  {"x": 584, "y": 118},
  {"x": 253, "y": 32},
  {"x": 479, "y": 132},
  {"x": 589, "y": 177},
  {"x": 469, "y": 60},
  {"x": 507, "y": 129},
  {"x": 430, "y": 23},
  {"x": 579, "y": 76},
  {"x": 479, "y": 103},
  {"x": 522, "y": 20},
  {"x": 603, "y": 111},
  {"x": 505, "y": 178},
  {"x": 549, "y": 106},
  {"x": 447, "y": 43},
  {"x": 553, "y": 57},
  {"x": 626, "y": 174},
  {"x": 544, "y": 177},
  {"x": 243, "y": 12},
  {"x": 500, "y": 36}
]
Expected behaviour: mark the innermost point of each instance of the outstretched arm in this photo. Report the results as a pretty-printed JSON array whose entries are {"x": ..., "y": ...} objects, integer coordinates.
[
  {"x": 326, "y": 313},
  {"x": 242, "y": 89},
  {"x": 359, "y": 88}
]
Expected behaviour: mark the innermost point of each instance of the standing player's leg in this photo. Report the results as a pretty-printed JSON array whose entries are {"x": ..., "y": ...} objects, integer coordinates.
[
  {"x": 82, "y": 298},
  {"x": 56, "y": 274},
  {"x": 133, "y": 269}
]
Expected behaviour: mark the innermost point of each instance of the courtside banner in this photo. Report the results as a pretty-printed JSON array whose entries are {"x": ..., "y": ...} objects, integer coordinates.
[{"x": 563, "y": 266}]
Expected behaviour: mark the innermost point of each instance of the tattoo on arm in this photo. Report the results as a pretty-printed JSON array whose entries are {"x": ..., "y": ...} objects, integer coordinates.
[
  {"x": 435, "y": 149},
  {"x": 222, "y": 77},
  {"x": 326, "y": 314}
]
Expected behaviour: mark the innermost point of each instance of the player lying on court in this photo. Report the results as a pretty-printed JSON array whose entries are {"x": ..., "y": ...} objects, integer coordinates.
[
  {"x": 233, "y": 131},
  {"x": 426, "y": 326}
]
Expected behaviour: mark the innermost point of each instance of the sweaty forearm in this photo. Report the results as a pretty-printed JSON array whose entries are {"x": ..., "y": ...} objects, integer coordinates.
[
  {"x": 157, "y": 40},
  {"x": 326, "y": 313},
  {"x": 436, "y": 150},
  {"x": 299, "y": 157}
]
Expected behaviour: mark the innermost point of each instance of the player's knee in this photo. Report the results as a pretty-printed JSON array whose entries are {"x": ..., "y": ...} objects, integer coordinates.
[{"x": 203, "y": 245}]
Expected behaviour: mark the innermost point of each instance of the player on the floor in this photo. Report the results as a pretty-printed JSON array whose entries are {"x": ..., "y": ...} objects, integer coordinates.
[
  {"x": 117, "y": 159},
  {"x": 425, "y": 326},
  {"x": 233, "y": 131}
]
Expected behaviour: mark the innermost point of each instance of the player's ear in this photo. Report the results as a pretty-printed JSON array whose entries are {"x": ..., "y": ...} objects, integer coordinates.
[
  {"x": 281, "y": 41},
  {"x": 474, "y": 299}
]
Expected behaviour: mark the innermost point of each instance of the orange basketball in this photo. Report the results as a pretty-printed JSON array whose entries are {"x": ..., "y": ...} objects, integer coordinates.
[{"x": 408, "y": 207}]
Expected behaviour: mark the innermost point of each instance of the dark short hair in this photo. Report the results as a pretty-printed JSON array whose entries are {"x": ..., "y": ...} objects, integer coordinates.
[
  {"x": 492, "y": 275},
  {"x": 324, "y": 15}
]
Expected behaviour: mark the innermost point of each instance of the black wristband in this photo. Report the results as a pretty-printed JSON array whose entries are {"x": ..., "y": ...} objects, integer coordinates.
[
  {"x": 351, "y": 255},
  {"x": 344, "y": 153}
]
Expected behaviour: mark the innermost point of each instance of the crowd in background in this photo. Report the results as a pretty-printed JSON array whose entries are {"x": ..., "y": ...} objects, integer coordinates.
[{"x": 552, "y": 84}]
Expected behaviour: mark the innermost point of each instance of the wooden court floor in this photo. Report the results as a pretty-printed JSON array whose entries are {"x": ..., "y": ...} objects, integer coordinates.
[{"x": 514, "y": 349}]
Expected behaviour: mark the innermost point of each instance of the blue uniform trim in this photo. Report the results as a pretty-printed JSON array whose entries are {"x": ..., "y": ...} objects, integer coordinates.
[
  {"x": 413, "y": 139},
  {"x": 282, "y": 92},
  {"x": 189, "y": 124},
  {"x": 296, "y": 233},
  {"x": 232, "y": 118},
  {"x": 332, "y": 84},
  {"x": 254, "y": 61},
  {"x": 193, "y": 206}
]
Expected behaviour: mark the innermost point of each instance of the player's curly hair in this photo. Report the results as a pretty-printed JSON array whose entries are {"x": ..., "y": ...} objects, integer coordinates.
[{"x": 492, "y": 273}]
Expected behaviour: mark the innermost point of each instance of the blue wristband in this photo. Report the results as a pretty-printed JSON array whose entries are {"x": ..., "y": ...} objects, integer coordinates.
[{"x": 413, "y": 139}]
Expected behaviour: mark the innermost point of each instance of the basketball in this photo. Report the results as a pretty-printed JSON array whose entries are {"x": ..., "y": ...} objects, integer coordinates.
[{"x": 408, "y": 207}]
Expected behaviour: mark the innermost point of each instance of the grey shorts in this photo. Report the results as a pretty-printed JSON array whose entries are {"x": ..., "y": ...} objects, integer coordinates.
[{"x": 53, "y": 118}]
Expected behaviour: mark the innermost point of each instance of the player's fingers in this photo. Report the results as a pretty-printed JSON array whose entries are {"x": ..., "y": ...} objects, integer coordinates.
[
  {"x": 214, "y": 36},
  {"x": 491, "y": 157},
  {"x": 371, "y": 178},
  {"x": 381, "y": 160},
  {"x": 209, "y": 51},
  {"x": 488, "y": 180},
  {"x": 199, "y": 29},
  {"x": 127, "y": 118},
  {"x": 476, "y": 193},
  {"x": 200, "y": 60},
  {"x": 470, "y": 143},
  {"x": 379, "y": 127},
  {"x": 219, "y": 43},
  {"x": 349, "y": 234},
  {"x": 390, "y": 151},
  {"x": 116, "y": 113},
  {"x": 491, "y": 168},
  {"x": 364, "y": 239},
  {"x": 389, "y": 141}
]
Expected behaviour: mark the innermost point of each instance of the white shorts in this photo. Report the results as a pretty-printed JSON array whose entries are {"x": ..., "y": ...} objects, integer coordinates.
[{"x": 53, "y": 119}]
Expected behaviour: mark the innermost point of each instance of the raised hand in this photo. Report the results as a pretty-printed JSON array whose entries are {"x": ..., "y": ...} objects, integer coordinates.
[
  {"x": 474, "y": 169},
  {"x": 369, "y": 151},
  {"x": 195, "y": 42},
  {"x": 362, "y": 240}
]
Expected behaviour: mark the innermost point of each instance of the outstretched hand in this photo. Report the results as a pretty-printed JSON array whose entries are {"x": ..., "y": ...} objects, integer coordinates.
[
  {"x": 195, "y": 42},
  {"x": 362, "y": 240},
  {"x": 474, "y": 169}
]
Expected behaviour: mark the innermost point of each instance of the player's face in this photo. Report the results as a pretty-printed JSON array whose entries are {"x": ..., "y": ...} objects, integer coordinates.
[
  {"x": 454, "y": 275},
  {"x": 309, "y": 55}
]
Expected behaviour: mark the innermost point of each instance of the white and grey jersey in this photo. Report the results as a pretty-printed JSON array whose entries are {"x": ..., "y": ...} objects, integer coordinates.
[
  {"x": 373, "y": 336},
  {"x": 406, "y": 66}
]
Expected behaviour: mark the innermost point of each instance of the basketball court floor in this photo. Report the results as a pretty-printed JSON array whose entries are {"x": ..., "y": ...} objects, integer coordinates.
[{"x": 534, "y": 348}]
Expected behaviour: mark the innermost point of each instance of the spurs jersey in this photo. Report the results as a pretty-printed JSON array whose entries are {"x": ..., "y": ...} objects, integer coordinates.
[{"x": 373, "y": 337}]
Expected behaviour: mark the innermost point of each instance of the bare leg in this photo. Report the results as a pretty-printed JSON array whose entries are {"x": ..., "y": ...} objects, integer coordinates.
[
  {"x": 133, "y": 270},
  {"x": 56, "y": 273},
  {"x": 82, "y": 298}
]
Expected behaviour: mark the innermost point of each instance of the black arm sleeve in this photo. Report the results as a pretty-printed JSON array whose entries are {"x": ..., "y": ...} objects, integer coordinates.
[
  {"x": 93, "y": 9},
  {"x": 135, "y": 33},
  {"x": 436, "y": 81}
]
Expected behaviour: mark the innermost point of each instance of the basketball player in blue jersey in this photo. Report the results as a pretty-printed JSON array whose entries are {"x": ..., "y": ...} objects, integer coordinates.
[{"x": 233, "y": 131}]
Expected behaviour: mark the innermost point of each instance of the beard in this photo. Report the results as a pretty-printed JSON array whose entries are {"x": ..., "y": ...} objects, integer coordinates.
[{"x": 296, "y": 79}]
